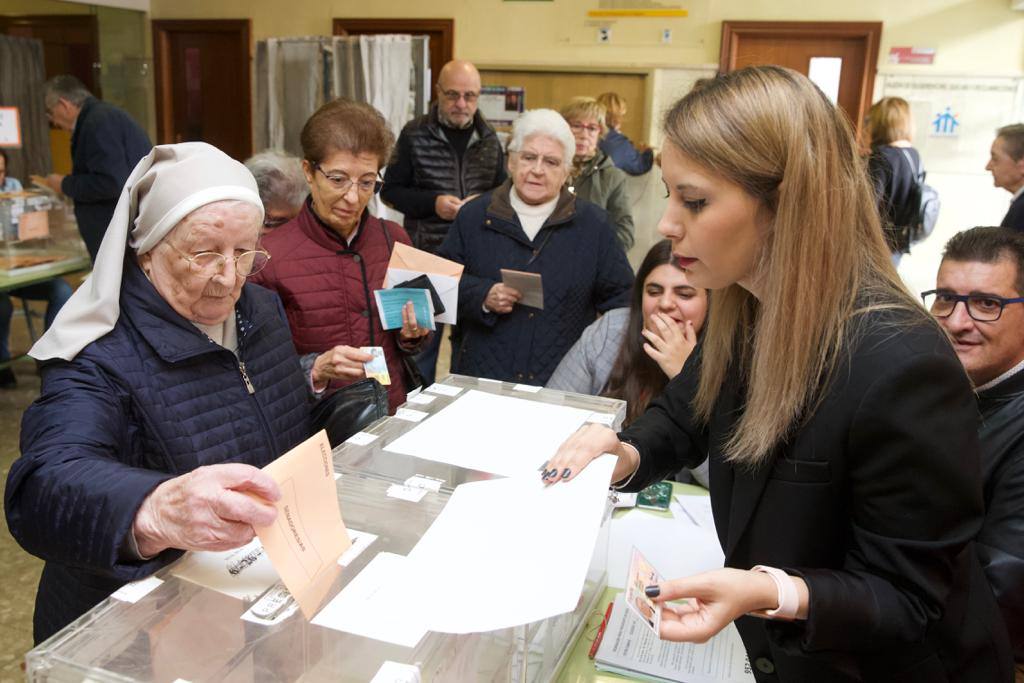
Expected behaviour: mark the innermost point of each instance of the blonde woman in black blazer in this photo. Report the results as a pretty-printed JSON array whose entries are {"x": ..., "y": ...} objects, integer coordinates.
[{"x": 839, "y": 424}]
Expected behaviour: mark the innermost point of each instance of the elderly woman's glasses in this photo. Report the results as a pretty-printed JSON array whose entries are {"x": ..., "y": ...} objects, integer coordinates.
[
  {"x": 210, "y": 263},
  {"x": 342, "y": 183},
  {"x": 985, "y": 308},
  {"x": 531, "y": 159},
  {"x": 592, "y": 128}
]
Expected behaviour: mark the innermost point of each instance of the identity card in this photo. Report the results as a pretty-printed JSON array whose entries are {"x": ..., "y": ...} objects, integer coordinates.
[
  {"x": 641, "y": 575},
  {"x": 377, "y": 368}
]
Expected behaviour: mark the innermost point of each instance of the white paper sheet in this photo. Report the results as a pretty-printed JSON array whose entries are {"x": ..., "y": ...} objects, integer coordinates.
[
  {"x": 491, "y": 433},
  {"x": 534, "y": 541},
  {"x": 698, "y": 510},
  {"x": 376, "y": 604},
  {"x": 244, "y": 573},
  {"x": 447, "y": 289},
  {"x": 629, "y": 645}
]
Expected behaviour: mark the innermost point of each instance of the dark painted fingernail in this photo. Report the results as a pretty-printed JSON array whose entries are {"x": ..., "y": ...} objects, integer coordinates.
[
  {"x": 652, "y": 591},
  {"x": 548, "y": 473},
  {"x": 566, "y": 472}
]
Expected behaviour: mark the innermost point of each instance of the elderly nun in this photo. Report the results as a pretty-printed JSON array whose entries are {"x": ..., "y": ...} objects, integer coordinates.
[
  {"x": 166, "y": 383},
  {"x": 532, "y": 223}
]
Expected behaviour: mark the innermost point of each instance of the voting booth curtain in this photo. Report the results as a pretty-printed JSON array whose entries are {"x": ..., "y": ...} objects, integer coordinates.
[{"x": 22, "y": 74}]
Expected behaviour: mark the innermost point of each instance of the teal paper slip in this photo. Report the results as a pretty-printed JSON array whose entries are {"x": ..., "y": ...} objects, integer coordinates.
[{"x": 390, "y": 302}]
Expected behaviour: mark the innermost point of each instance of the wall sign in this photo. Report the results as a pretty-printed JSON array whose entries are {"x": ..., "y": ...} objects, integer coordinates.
[
  {"x": 911, "y": 55},
  {"x": 10, "y": 127}
]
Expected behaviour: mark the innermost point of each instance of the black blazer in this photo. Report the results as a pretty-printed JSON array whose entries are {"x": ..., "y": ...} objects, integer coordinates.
[
  {"x": 873, "y": 500},
  {"x": 1014, "y": 217}
]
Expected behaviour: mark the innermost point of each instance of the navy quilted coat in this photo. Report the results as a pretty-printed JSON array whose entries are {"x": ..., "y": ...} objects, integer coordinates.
[
  {"x": 583, "y": 269},
  {"x": 151, "y": 400},
  {"x": 327, "y": 287}
]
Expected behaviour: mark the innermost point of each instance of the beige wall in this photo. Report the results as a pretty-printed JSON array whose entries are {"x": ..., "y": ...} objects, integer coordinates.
[{"x": 972, "y": 36}]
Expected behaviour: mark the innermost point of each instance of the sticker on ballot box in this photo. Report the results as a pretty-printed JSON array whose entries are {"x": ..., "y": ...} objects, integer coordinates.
[
  {"x": 445, "y": 389},
  {"x": 410, "y": 414},
  {"x": 136, "y": 590}
]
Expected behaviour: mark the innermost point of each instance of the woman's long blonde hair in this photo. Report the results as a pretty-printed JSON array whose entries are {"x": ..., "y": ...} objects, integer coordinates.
[{"x": 823, "y": 258}]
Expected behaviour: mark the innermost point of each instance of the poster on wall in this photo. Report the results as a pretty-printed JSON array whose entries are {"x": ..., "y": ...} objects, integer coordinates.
[
  {"x": 501, "y": 105},
  {"x": 956, "y": 117},
  {"x": 10, "y": 127}
]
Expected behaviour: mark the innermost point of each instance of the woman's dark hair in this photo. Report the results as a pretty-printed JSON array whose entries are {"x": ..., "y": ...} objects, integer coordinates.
[
  {"x": 346, "y": 126},
  {"x": 635, "y": 377}
]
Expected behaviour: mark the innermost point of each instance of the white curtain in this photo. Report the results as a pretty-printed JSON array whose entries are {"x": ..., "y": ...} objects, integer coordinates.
[{"x": 387, "y": 76}]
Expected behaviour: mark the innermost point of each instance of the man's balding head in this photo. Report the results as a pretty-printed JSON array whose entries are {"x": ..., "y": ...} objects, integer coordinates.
[{"x": 458, "y": 87}]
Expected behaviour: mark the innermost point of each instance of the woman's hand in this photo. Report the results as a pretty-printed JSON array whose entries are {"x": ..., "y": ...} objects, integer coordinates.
[
  {"x": 341, "y": 362},
  {"x": 589, "y": 442},
  {"x": 669, "y": 344},
  {"x": 210, "y": 508},
  {"x": 501, "y": 298},
  {"x": 715, "y": 599},
  {"x": 410, "y": 330}
]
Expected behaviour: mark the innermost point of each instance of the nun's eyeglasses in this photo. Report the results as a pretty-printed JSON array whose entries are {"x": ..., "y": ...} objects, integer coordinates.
[{"x": 210, "y": 263}]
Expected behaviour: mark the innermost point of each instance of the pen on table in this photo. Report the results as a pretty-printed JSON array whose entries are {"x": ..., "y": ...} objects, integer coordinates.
[{"x": 600, "y": 631}]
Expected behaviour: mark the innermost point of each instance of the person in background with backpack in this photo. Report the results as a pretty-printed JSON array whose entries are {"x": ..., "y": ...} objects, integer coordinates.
[{"x": 895, "y": 169}]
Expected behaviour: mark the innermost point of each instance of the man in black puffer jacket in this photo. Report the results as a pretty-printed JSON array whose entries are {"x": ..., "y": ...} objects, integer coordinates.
[{"x": 442, "y": 160}]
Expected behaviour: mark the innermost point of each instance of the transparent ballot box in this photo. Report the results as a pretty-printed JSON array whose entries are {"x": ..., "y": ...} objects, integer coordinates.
[
  {"x": 176, "y": 630},
  {"x": 38, "y": 234}
]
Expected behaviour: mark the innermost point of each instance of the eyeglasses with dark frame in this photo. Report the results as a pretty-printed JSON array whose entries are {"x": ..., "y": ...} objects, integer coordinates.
[
  {"x": 985, "y": 308},
  {"x": 592, "y": 128},
  {"x": 455, "y": 96},
  {"x": 342, "y": 183},
  {"x": 209, "y": 263}
]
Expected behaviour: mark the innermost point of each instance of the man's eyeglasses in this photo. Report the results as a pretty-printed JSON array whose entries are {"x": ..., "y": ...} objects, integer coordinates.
[
  {"x": 210, "y": 263},
  {"x": 342, "y": 183},
  {"x": 985, "y": 308},
  {"x": 454, "y": 96},
  {"x": 591, "y": 128}
]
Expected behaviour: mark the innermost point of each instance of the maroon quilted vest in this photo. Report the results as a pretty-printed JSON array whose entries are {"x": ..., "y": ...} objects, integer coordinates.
[{"x": 327, "y": 287}]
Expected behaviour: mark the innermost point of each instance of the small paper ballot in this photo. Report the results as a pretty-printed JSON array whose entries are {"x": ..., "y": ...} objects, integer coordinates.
[
  {"x": 527, "y": 284},
  {"x": 308, "y": 536},
  {"x": 641, "y": 575},
  {"x": 391, "y": 301},
  {"x": 33, "y": 225},
  {"x": 378, "y": 367},
  {"x": 408, "y": 263}
]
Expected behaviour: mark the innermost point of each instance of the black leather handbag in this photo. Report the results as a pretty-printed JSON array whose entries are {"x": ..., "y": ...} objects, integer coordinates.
[{"x": 350, "y": 409}]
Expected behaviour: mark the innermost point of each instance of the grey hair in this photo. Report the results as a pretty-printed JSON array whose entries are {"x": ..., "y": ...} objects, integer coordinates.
[
  {"x": 279, "y": 178},
  {"x": 66, "y": 87},
  {"x": 546, "y": 122}
]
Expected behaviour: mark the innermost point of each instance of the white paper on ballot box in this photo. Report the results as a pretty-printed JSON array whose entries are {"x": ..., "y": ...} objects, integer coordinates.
[
  {"x": 492, "y": 433},
  {"x": 533, "y": 542},
  {"x": 447, "y": 289}
]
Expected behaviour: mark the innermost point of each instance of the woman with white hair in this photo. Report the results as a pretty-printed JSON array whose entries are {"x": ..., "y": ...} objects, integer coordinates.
[
  {"x": 282, "y": 186},
  {"x": 167, "y": 383},
  {"x": 532, "y": 223}
]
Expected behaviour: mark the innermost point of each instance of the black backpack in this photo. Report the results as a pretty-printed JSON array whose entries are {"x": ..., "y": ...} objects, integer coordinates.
[{"x": 921, "y": 223}]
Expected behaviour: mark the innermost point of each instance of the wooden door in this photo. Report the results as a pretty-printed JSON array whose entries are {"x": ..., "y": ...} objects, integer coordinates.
[
  {"x": 203, "y": 83},
  {"x": 440, "y": 31},
  {"x": 794, "y": 44}
]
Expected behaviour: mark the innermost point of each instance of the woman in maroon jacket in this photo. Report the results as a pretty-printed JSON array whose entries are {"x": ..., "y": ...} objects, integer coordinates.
[{"x": 327, "y": 261}]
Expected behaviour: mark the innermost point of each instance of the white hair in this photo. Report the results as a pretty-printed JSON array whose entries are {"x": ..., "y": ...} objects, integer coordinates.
[
  {"x": 279, "y": 178},
  {"x": 547, "y": 122}
]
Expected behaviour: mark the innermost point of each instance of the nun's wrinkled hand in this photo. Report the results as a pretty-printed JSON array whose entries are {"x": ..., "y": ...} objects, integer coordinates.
[
  {"x": 341, "y": 362},
  {"x": 501, "y": 298},
  {"x": 210, "y": 508},
  {"x": 411, "y": 331}
]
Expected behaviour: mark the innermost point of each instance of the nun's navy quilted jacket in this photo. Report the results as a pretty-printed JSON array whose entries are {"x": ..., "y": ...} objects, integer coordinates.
[{"x": 153, "y": 399}]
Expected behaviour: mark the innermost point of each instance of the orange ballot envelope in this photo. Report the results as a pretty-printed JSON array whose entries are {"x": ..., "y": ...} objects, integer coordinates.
[
  {"x": 308, "y": 537},
  {"x": 409, "y": 262}
]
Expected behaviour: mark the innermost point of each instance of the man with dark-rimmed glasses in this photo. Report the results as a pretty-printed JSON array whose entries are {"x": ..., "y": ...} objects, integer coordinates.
[
  {"x": 443, "y": 159},
  {"x": 978, "y": 300}
]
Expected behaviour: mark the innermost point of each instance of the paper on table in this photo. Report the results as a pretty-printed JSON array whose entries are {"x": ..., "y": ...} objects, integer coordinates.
[
  {"x": 528, "y": 284},
  {"x": 499, "y": 532},
  {"x": 391, "y": 301},
  {"x": 463, "y": 433},
  {"x": 629, "y": 646},
  {"x": 447, "y": 289},
  {"x": 307, "y": 538},
  {"x": 376, "y": 604},
  {"x": 244, "y": 573},
  {"x": 697, "y": 509}
]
